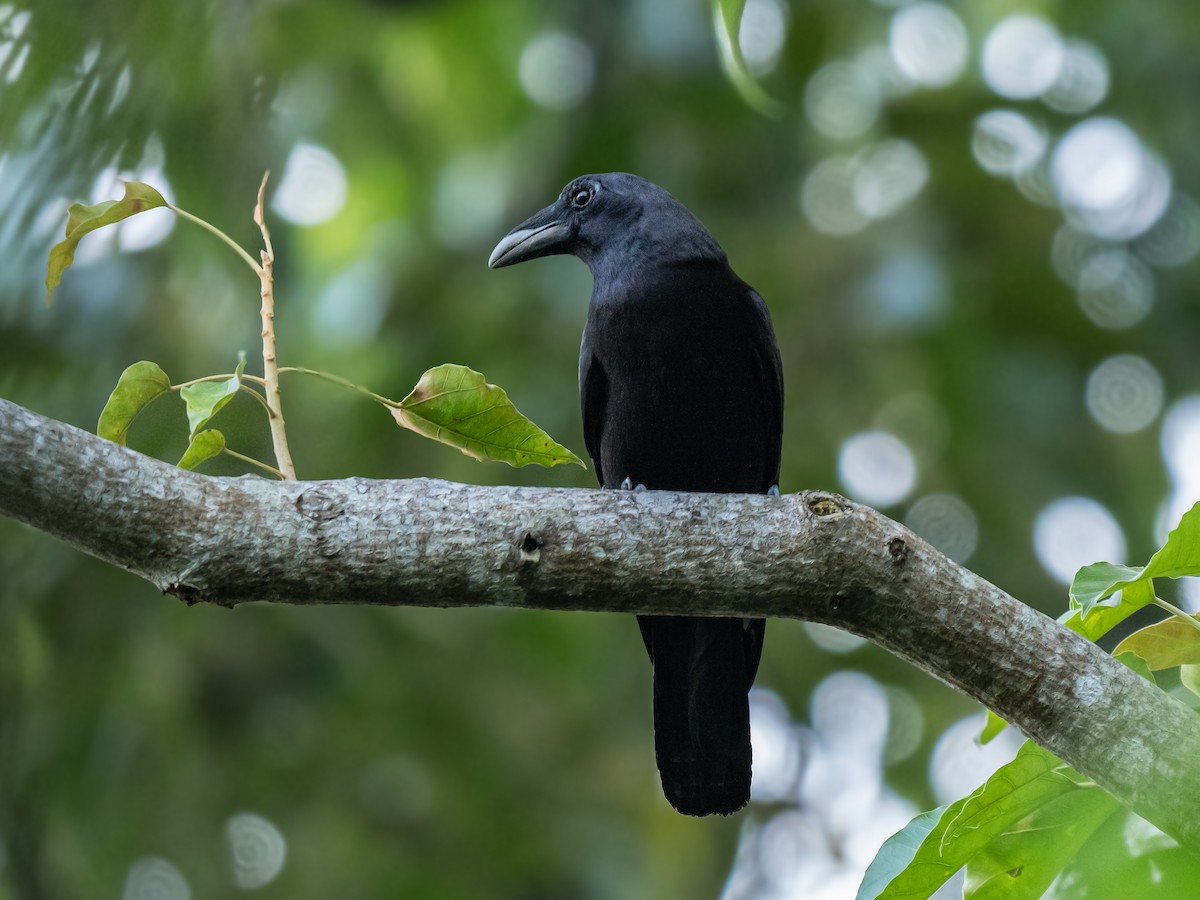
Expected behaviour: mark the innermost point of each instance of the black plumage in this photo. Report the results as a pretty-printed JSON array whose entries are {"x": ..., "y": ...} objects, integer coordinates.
[{"x": 682, "y": 389}]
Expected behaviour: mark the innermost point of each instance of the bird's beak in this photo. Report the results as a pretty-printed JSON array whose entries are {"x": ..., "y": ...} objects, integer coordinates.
[{"x": 542, "y": 234}]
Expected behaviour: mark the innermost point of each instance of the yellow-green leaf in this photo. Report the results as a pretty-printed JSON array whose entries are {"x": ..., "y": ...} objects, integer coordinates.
[
  {"x": 204, "y": 446},
  {"x": 992, "y": 726},
  {"x": 1169, "y": 643},
  {"x": 206, "y": 398},
  {"x": 456, "y": 405},
  {"x": 1189, "y": 677},
  {"x": 137, "y": 386},
  {"x": 82, "y": 219}
]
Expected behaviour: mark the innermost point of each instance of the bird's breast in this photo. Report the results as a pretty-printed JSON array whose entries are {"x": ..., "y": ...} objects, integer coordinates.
[{"x": 686, "y": 392}]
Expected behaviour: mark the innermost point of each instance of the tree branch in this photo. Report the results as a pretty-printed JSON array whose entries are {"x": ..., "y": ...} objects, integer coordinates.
[{"x": 424, "y": 542}]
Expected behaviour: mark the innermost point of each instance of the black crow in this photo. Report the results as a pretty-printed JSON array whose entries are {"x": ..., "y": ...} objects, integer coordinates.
[{"x": 682, "y": 390}]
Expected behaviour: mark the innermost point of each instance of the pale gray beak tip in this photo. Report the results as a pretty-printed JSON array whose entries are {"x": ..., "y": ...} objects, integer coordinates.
[{"x": 527, "y": 243}]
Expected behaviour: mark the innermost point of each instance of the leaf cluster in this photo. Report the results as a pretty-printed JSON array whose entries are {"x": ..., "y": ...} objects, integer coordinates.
[{"x": 1038, "y": 828}]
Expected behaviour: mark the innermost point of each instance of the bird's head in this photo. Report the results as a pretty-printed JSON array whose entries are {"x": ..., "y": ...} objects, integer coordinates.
[{"x": 613, "y": 216}]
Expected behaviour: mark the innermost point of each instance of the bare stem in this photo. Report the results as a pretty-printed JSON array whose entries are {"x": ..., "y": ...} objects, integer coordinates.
[
  {"x": 1176, "y": 611},
  {"x": 338, "y": 379},
  {"x": 254, "y": 462},
  {"x": 223, "y": 236},
  {"x": 266, "y": 277}
]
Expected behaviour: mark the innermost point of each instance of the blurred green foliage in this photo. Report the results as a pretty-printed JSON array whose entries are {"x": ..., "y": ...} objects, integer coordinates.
[{"x": 490, "y": 753}]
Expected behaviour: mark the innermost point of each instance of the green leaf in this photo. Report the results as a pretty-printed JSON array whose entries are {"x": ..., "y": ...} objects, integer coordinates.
[
  {"x": 992, "y": 726},
  {"x": 1189, "y": 677},
  {"x": 1020, "y": 863},
  {"x": 896, "y": 853},
  {"x": 728, "y": 23},
  {"x": 1035, "y": 777},
  {"x": 137, "y": 386},
  {"x": 456, "y": 406},
  {"x": 1095, "y": 582},
  {"x": 1179, "y": 557},
  {"x": 206, "y": 398},
  {"x": 204, "y": 446},
  {"x": 83, "y": 219},
  {"x": 1169, "y": 643},
  {"x": 1103, "y": 615},
  {"x": 1128, "y": 857}
]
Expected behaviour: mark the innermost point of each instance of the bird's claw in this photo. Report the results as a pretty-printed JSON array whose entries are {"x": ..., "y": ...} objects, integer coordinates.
[
  {"x": 628, "y": 485},
  {"x": 773, "y": 491}
]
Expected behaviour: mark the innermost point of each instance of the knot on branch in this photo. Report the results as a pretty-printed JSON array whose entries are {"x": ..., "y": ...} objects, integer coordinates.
[
  {"x": 826, "y": 505},
  {"x": 318, "y": 506}
]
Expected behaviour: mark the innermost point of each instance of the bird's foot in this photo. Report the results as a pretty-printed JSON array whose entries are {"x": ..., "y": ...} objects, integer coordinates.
[
  {"x": 628, "y": 485},
  {"x": 773, "y": 491}
]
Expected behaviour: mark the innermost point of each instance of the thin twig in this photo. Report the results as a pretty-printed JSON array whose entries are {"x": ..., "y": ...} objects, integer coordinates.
[
  {"x": 254, "y": 462},
  {"x": 338, "y": 379},
  {"x": 223, "y": 236},
  {"x": 283, "y": 456},
  {"x": 246, "y": 389},
  {"x": 1176, "y": 611}
]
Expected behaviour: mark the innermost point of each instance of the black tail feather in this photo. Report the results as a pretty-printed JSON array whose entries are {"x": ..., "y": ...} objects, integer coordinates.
[{"x": 703, "y": 668}]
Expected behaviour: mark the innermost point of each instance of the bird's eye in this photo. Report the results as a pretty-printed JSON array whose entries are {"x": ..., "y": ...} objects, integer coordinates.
[{"x": 582, "y": 197}]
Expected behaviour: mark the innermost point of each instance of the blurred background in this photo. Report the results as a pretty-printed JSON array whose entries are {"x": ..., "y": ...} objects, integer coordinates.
[{"x": 975, "y": 225}]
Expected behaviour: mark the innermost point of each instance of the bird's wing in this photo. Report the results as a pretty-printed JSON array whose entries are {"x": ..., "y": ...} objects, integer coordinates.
[
  {"x": 593, "y": 396},
  {"x": 771, "y": 378}
]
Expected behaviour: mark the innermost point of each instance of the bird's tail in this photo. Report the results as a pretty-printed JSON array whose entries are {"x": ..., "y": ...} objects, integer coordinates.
[{"x": 703, "y": 668}]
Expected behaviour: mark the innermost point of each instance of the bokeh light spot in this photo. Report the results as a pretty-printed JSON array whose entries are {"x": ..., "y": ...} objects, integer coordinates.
[
  {"x": 887, "y": 176},
  {"x": 827, "y": 198},
  {"x": 313, "y": 188},
  {"x": 1180, "y": 439},
  {"x": 906, "y": 292},
  {"x": 1072, "y": 249},
  {"x": 761, "y": 34},
  {"x": 832, "y": 640},
  {"x": 842, "y": 100},
  {"x": 776, "y": 748},
  {"x": 556, "y": 70},
  {"x": 877, "y": 61},
  {"x": 1007, "y": 143},
  {"x": 906, "y": 725},
  {"x": 1082, "y": 81},
  {"x": 257, "y": 848},
  {"x": 1073, "y": 532},
  {"x": 1022, "y": 57},
  {"x": 154, "y": 878},
  {"x": 959, "y": 764},
  {"x": 794, "y": 854},
  {"x": 1107, "y": 182},
  {"x": 947, "y": 522},
  {"x": 849, "y": 713},
  {"x": 1124, "y": 393},
  {"x": 350, "y": 309},
  {"x": 877, "y": 468},
  {"x": 1116, "y": 290},
  {"x": 1175, "y": 238},
  {"x": 929, "y": 43}
]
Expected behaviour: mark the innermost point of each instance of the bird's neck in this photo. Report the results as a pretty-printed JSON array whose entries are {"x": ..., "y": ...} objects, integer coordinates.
[{"x": 646, "y": 257}]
